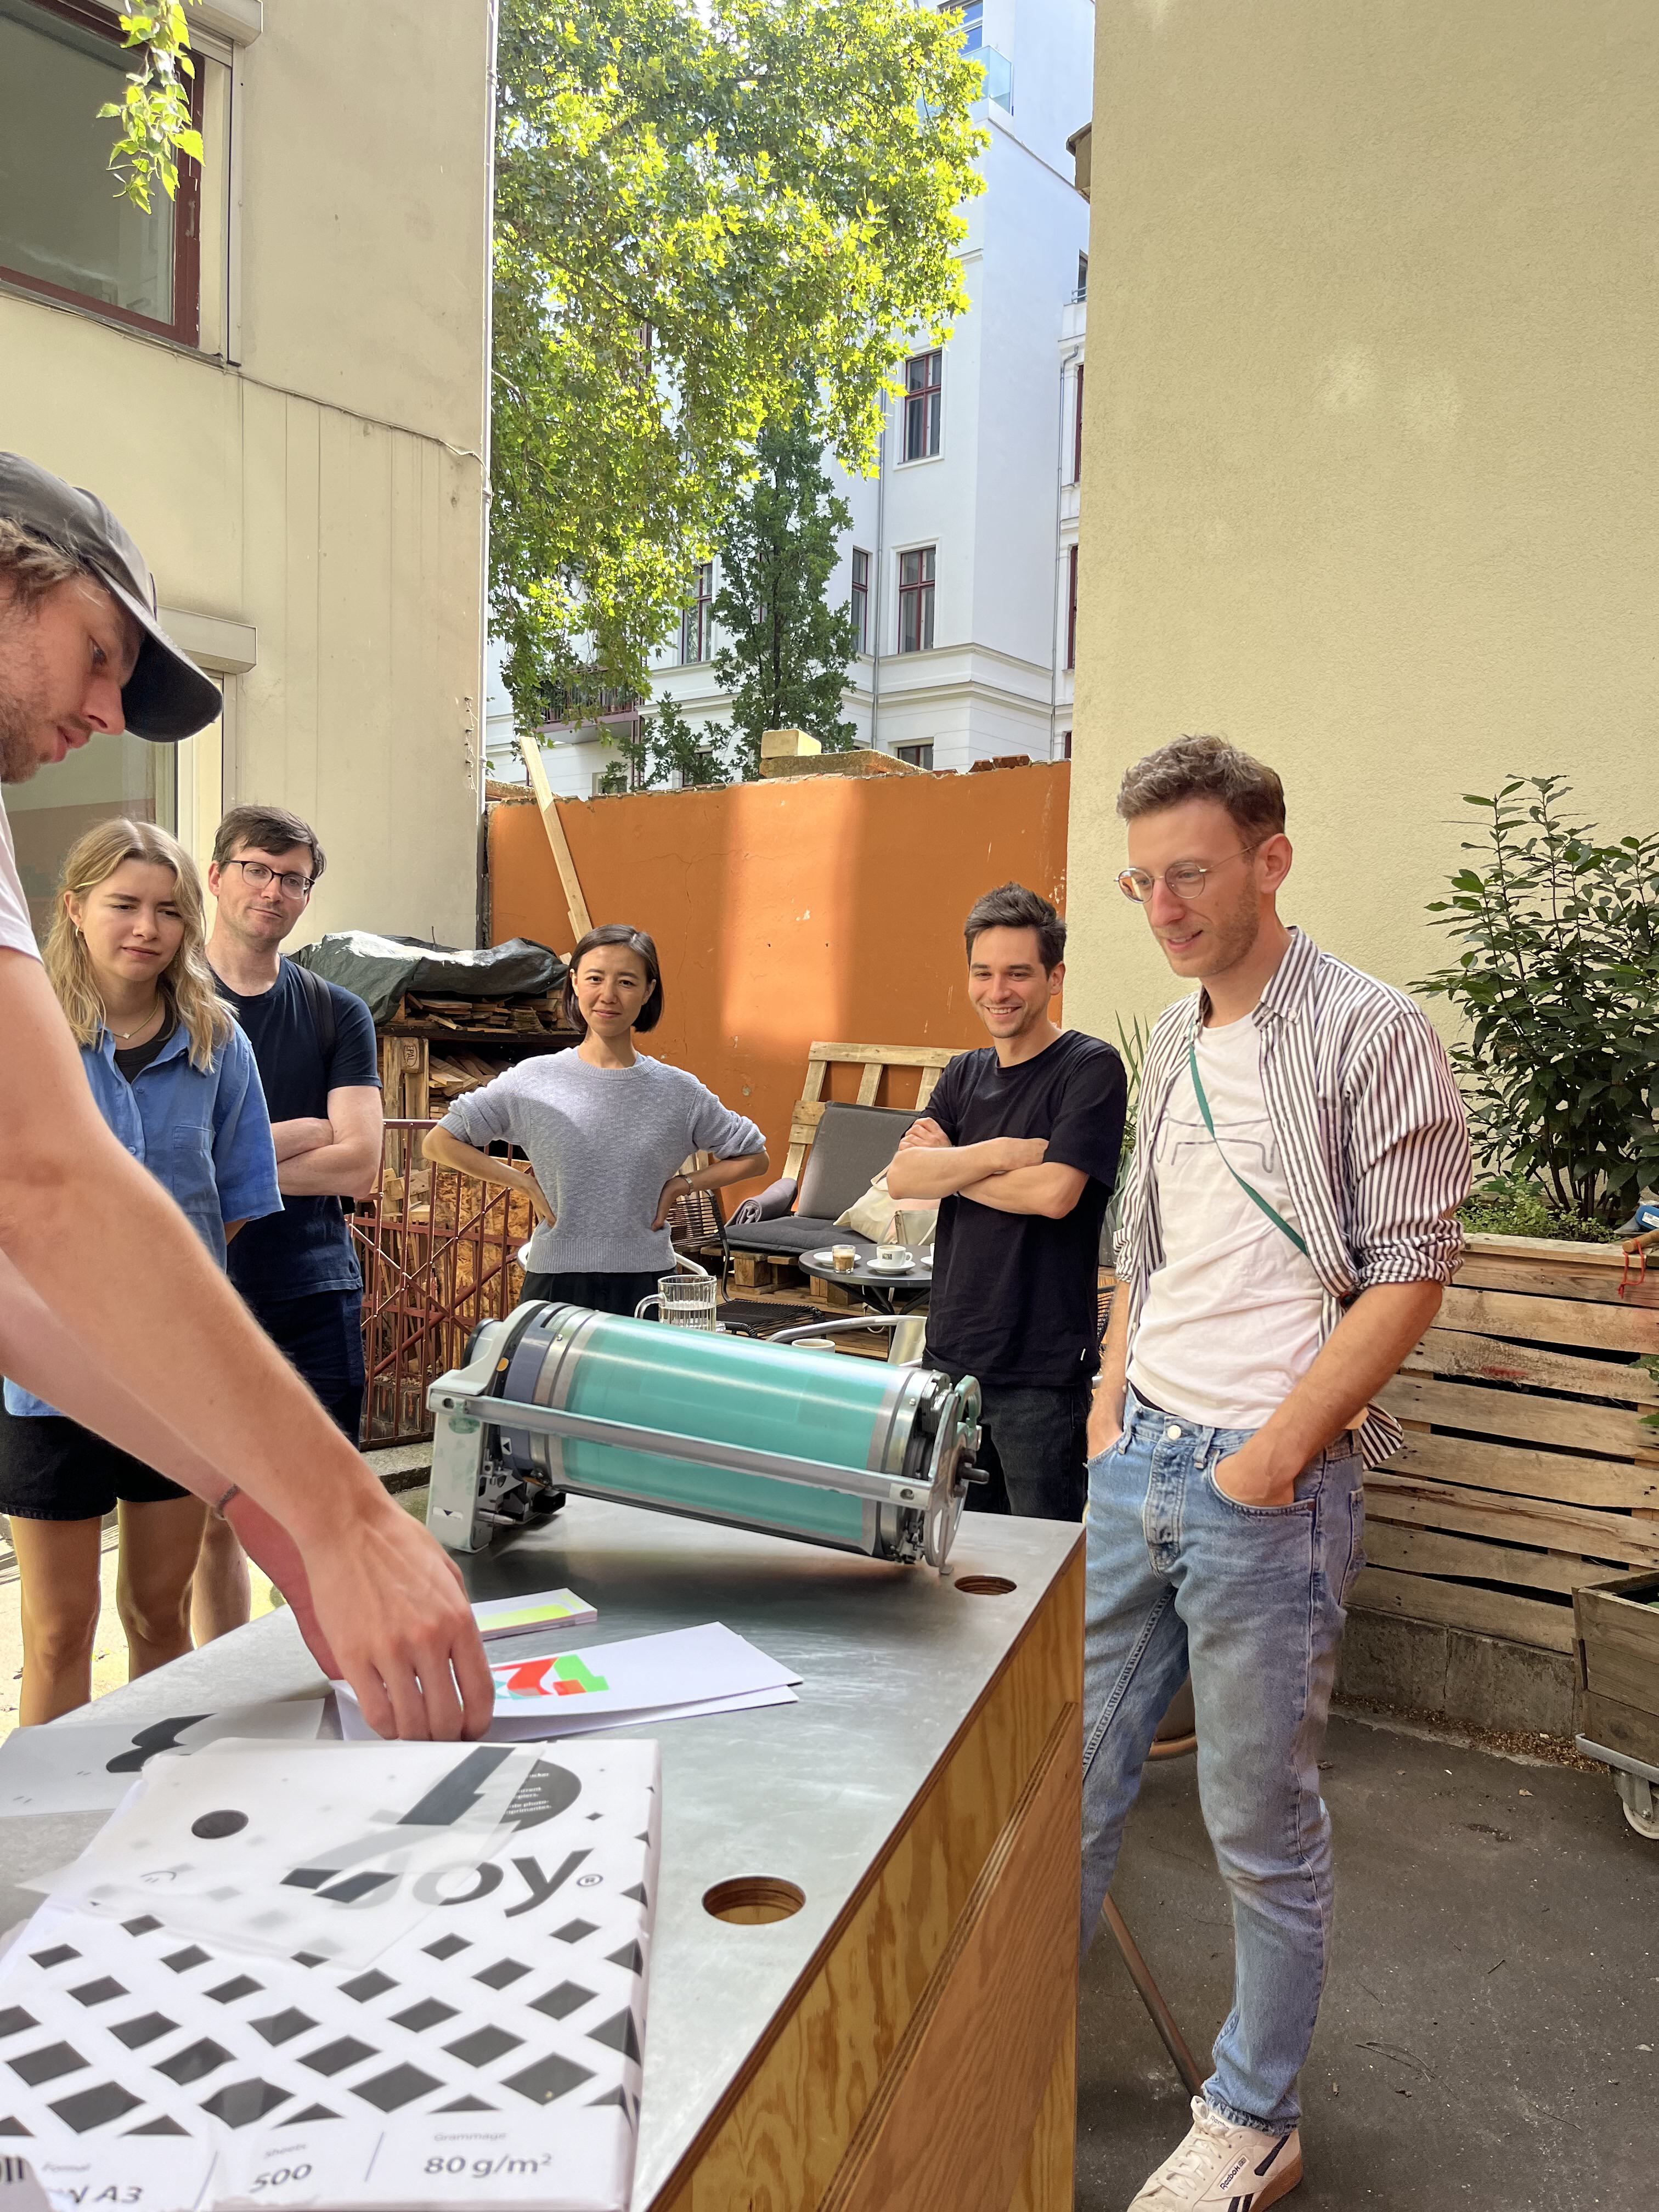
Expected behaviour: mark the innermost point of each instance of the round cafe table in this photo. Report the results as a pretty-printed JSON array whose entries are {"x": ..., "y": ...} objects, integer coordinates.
[{"x": 882, "y": 1287}]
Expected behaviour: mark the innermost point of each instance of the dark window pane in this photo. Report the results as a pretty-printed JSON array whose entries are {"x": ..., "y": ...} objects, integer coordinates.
[{"x": 61, "y": 221}]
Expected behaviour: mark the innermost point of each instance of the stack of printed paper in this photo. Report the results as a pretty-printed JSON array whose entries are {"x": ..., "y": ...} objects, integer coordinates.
[
  {"x": 503, "y": 1619},
  {"x": 89, "y": 1766},
  {"x": 405, "y": 1975},
  {"x": 644, "y": 1679}
]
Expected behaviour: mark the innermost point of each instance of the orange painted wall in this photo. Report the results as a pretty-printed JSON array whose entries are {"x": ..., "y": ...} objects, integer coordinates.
[{"x": 826, "y": 907}]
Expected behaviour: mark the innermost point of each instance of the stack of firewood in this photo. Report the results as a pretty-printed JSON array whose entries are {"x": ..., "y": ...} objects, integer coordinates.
[
  {"x": 450, "y": 1074},
  {"x": 502, "y": 1016}
]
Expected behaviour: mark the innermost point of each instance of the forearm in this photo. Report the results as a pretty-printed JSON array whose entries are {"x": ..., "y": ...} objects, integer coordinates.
[
  {"x": 933, "y": 1171},
  {"x": 290, "y": 1138},
  {"x": 719, "y": 1173},
  {"x": 246, "y": 1409},
  {"x": 1361, "y": 1354},
  {"x": 336, "y": 1170},
  {"x": 1049, "y": 1189},
  {"x": 38, "y": 1353},
  {"x": 445, "y": 1150}
]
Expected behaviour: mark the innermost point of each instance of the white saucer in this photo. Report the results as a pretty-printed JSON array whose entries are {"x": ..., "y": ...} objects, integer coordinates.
[{"x": 895, "y": 1267}]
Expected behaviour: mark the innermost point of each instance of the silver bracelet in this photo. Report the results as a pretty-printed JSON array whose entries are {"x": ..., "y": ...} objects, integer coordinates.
[{"x": 219, "y": 1504}]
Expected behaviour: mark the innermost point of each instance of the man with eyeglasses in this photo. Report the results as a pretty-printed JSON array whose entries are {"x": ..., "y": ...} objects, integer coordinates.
[
  {"x": 314, "y": 1045},
  {"x": 110, "y": 1305},
  {"x": 1290, "y": 1220}
]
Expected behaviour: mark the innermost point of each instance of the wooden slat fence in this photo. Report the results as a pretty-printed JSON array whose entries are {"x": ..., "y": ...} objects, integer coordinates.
[{"x": 1526, "y": 1470}]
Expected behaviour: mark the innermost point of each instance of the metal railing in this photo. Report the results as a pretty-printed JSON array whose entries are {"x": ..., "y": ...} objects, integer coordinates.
[{"x": 440, "y": 1253}]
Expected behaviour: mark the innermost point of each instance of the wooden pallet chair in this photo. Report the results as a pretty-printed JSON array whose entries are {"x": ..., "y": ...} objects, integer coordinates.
[{"x": 750, "y": 1271}]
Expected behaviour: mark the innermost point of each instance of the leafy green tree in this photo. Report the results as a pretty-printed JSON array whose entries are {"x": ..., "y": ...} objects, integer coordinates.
[
  {"x": 666, "y": 745},
  {"x": 700, "y": 210},
  {"x": 786, "y": 651}
]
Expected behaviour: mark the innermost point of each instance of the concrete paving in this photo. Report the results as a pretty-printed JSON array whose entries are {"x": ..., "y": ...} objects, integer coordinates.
[{"x": 1490, "y": 2031}]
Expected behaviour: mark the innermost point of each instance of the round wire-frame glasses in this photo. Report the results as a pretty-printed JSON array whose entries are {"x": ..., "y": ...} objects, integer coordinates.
[{"x": 1184, "y": 879}]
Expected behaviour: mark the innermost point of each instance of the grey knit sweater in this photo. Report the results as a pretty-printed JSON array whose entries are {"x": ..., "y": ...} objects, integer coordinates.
[{"x": 603, "y": 1142}]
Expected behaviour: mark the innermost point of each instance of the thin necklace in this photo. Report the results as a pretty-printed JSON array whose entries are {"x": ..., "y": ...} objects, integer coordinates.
[{"x": 125, "y": 1036}]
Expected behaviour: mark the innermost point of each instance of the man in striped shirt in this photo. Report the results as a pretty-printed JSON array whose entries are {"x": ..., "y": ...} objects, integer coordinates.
[{"x": 1289, "y": 1224}]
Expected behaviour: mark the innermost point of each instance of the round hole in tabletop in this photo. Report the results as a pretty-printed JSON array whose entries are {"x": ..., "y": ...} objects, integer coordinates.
[
  {"x": 984, "y": 1585},
  {"x": 750, "y": 1900}
]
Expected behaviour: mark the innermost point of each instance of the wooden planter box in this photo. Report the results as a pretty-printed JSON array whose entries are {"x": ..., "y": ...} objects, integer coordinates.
[
  {"x": 1617, "y": 1624},
  {"x": 1527, "y": 1473}
]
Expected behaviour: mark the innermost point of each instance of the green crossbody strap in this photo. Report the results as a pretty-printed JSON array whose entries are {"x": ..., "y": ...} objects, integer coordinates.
[{"x": 1248, "y": 1189}]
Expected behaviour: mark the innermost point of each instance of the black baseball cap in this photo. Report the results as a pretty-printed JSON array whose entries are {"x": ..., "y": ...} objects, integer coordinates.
[{"x": 167, "y": 696}]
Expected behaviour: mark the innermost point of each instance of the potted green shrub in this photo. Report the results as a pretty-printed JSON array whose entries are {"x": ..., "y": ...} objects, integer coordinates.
[{"x": 1527, "y": 1470}]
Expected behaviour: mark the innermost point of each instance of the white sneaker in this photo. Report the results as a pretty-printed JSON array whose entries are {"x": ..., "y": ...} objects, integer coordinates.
[{"x": 1222, "y": 2168}]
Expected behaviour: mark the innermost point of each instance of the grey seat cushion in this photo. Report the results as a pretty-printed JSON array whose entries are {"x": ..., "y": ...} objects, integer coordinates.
[
  {"x": 786, "y": 1239},
  {"x": 852, "y": 1145}
]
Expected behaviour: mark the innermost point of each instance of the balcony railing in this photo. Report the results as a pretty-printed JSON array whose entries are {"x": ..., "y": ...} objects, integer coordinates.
[{"x": 999, "y": 77}]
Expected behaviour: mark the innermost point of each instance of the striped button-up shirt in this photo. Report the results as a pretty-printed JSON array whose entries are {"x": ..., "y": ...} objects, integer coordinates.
[{"x": 1371, "y": 1129}]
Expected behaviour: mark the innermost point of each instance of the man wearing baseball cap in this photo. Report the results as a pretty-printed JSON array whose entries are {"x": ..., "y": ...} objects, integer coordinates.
[{"x": 111, "y": 1334}]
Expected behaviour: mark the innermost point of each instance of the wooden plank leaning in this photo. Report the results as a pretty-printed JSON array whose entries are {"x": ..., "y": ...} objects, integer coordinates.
[{"x": 548, "y": 806}]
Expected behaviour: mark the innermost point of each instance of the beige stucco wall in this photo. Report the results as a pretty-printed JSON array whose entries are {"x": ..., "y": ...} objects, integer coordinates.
[
  {"x": 1369, "y": 456},
  {"x": 326, "y": 485}
]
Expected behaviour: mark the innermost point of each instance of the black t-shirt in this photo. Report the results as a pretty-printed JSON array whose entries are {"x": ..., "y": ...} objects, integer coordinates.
[
  {"x": 1014, "y": 1298},
  {"x": 134, "y": 1058},
  {"x": 306, "y": 1247}
]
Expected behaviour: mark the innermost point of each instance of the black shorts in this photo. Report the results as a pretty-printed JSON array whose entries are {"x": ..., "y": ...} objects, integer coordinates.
[{"x": 53, "y": 1469}]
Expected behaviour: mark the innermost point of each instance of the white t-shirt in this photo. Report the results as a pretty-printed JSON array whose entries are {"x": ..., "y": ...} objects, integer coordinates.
[
  {"x": 15, "y": 933},
  {"x": 1232, "y": 1317}
]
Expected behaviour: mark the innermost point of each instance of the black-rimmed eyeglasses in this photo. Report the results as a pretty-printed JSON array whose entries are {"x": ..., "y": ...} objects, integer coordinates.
[{"x": 256, "y": 875}]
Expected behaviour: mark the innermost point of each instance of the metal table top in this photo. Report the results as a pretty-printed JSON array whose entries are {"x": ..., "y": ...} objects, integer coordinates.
[{"x": 893, "y": 1660}]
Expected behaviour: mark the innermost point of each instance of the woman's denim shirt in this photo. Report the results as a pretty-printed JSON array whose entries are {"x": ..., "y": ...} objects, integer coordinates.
[{"x": 204, "y": 1135}]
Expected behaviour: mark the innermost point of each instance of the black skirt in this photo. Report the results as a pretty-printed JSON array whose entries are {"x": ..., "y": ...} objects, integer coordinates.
[{"x": 611, "y": 1294}]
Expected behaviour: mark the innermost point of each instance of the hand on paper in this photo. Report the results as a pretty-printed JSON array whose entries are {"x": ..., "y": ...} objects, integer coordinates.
[{"x": 392, "y": 1606}]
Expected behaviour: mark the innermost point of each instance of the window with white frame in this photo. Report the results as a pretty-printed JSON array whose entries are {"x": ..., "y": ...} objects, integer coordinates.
[
  {"x": 860, "y": 600},
  {"x": 1070, "y": 606},
  {"x": 64, "y": 231},
  {"x": 916, "y": 599},
  {"x": 697, "y": 624},
  {"x": 924, "y": 388}
]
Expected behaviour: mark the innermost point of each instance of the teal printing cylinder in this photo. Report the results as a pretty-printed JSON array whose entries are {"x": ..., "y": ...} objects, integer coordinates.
[{"x": 807, "y": 1405}]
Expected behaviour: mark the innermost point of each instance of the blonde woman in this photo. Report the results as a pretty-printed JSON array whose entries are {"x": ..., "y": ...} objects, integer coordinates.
[{"x": 174, "y": 1078}]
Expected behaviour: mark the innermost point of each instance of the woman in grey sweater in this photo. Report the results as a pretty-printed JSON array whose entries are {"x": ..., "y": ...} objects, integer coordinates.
[{"x": 605, "y": 1129}]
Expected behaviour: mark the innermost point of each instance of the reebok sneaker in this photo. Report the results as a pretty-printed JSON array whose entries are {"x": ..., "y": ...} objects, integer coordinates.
[{"x": 1222, "y": 2168}]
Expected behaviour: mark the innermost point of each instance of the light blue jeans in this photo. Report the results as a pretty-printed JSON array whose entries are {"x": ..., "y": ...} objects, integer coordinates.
[{"x": 1250, "y": 1598}]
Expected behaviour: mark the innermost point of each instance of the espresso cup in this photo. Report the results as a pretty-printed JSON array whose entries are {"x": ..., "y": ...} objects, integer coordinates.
[{"x": 894, "y": 1256}]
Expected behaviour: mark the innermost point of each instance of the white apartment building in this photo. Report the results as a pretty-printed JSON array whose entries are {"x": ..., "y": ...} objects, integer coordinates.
[
  {"x": 279, "y": 383},
  {"x": 960, "y": 563}
]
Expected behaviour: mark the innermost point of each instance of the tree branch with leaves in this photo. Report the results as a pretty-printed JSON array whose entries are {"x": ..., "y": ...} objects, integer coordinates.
[{"x": 157, "y": 129}]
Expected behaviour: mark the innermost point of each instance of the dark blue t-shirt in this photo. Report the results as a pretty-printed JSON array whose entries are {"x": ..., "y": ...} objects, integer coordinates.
[{"x": 306, "y": 1247}]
